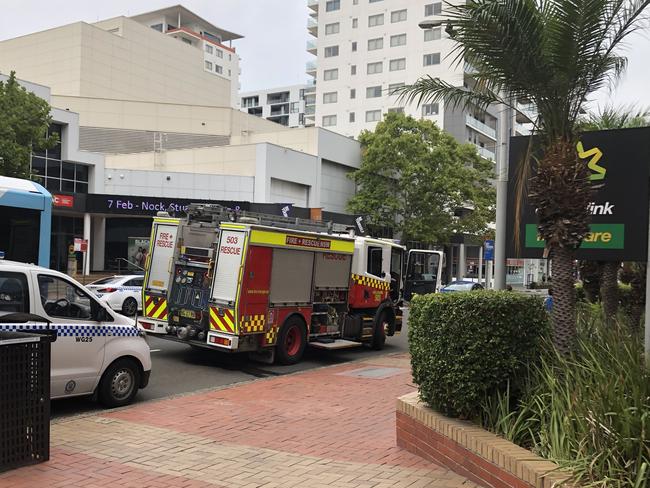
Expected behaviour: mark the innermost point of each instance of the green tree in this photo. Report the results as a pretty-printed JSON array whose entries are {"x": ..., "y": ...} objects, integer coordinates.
[
  {"x": 24, "y": 120},
  {"x": 606, "y": 273},
  {"x": 414, "y": 177},
  {"x": 555, "y": 54}
]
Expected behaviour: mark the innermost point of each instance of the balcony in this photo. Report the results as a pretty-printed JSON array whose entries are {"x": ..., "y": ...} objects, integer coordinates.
[
  {"x": 311, "y": 47},
  {"x": 485, "y": 154},
  {"x": 310, "y": 109},
  {"x": 310, "y": 68},
  {"x": 273, "y": 98},
  {"x": 312, "y": 27},
  {"x": 481, "y": 127},
  {"x": 280, "y": 110},
  {"x": 313, "y": 4},
  {"x": 526, "y": 113}
]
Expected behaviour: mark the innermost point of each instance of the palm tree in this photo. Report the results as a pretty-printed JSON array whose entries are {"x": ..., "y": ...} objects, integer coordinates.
[
  {"x": 606, "y": 119},
  {"x": 553, "y": 53}
]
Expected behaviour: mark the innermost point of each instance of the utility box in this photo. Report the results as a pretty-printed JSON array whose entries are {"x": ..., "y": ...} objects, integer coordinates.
[{"x": 24, "y": 398}]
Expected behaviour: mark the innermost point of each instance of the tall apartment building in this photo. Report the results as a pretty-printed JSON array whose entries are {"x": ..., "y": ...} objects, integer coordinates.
[
  {"x": 284, "y": 105},
  {"x": 170, "y": 55},
  {"x": 365, "y": 49}
]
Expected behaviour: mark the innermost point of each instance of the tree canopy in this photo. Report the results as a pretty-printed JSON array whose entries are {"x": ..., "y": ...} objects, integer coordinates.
[
  {"x": 24, "y": 120},
  {"x": 417, "y": 179}
]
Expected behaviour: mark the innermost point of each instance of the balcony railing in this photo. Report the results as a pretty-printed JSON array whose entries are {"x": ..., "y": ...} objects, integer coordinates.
[
  {"x": 310, "y": 109},
  {"x": 310, "y": 68},
  {"x": 313, "y": 4},
  {"x": 311, "y": 47},
  {"x": 484, "y": 153},
  {"x": 312, "y": 26},
  {"x": 476, "y": 124}
]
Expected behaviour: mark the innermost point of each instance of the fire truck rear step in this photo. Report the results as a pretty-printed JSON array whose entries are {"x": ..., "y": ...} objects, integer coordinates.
[{"x": 337, "y": 344}]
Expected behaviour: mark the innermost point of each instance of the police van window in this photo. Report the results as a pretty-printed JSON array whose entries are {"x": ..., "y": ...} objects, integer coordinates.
[
  {"x": 14, "y": 293},
  {"x": 374, "y": 260},
  {"x": 134, "y": 282},
  {"x": 62, "y": 299}
]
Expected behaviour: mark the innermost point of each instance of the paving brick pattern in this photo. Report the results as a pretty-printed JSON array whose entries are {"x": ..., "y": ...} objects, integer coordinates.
[{"x": 315, "y": 429}]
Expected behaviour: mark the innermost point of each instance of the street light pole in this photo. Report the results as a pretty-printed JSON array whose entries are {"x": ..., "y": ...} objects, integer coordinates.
[{"x": 505, "y": 120}]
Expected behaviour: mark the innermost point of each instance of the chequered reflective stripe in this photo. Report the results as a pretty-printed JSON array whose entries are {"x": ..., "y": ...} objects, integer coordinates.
[
  {"x": 222, "y": 320},
  {"x": 271, "y": 335},
  {"x": 252, "y": 323},
  {"x": 370, "y": 282},
  {"x": 155, "y": 307},
  {"x": 76, "y": 330}
]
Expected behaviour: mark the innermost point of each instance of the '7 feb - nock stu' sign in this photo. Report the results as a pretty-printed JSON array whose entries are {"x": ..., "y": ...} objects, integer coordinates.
[{"x": 618, "y": 160}]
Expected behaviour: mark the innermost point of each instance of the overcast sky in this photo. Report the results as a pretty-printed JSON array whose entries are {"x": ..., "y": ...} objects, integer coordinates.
[{"x": 273, "y": 49}]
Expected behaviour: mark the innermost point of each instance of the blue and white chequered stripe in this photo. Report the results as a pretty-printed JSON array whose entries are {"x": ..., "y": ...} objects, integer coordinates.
[{"x": 76, "y": 330}]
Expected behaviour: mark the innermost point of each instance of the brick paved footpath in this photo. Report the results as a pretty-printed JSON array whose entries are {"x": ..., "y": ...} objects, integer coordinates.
[{"x": 331, "y": 427}]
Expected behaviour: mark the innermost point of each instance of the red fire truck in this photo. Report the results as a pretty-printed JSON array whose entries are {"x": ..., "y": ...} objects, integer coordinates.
[{"x": 271, "y": 285}]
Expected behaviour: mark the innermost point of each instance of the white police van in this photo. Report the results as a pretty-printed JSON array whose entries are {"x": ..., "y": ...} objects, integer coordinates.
[{"x": 97, "y": 351}]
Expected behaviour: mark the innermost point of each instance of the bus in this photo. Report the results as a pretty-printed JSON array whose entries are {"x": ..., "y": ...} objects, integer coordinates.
[{"x": 25, "y": 221}]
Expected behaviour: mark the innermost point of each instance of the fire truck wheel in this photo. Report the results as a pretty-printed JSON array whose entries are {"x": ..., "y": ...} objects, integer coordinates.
[
  {"x": 379, "y": 334},
  {"x": 292, "y": 340}
]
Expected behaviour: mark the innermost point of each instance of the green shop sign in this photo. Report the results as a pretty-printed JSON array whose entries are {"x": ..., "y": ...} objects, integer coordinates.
[{"x": 602, "y": 236}]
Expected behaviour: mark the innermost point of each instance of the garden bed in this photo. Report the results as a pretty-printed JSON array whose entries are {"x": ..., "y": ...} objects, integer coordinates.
[{"x": 469, "y": 450}]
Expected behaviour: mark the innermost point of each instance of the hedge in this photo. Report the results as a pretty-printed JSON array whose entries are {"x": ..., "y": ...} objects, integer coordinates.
[{"x": 468, "y": 345}]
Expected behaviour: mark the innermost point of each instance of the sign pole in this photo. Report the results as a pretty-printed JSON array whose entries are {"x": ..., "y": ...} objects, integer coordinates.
[
  {"x": 646, "y": 320},
  {"x": 480, "y": 264}
]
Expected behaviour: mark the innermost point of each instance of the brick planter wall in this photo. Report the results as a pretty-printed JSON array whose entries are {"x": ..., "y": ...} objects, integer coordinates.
[{"x": 469, "y": 450}]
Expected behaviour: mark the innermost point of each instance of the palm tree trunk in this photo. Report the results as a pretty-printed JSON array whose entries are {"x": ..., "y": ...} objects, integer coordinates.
[
  {"x": 564, "y": 298},
  {"x": 609, "y": 289}
]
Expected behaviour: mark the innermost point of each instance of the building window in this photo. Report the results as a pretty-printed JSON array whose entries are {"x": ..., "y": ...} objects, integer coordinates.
[
  {"x": 329, "y": 120},
  {"x": 250, "y": 101},
  {"x": 158, "y": 27},
  {"x": 354, "y": 46},
  {"x": 331, "y": 74},
  {"x": 208, "y": 49},
  {"x": 431, "y": 59},
  {"x": 219, "y": 53},
  {"x": 49, "y": 170},
  {"x": 332, "y": 5},
  {"x": 397, "y": 64},
  {"x": 353, "y": 93},
  {"x": 374, "y": 68},
  {"x": 374, "y": 44},
  {"x": 330, "y": 97},
  {"x": 430, "y": 109},
  {"x": 355, "y": 23},
  {"x": 332, "y": 28},
  {"x": 433, "y": 9},
  {"x": 432, "y": 34},
  {"x": 373, "y": 92},
  {"x": 393, "y": 87},
  {"x": 295, "y": 107},
  {"x": 373, "y": 115},
  {"x": 398, "y": 40},
  {"x": 398, "y": 16},
  {"x": 352, "y": 116},
  {"x": 331, "y": 51},
  {"x": 208, "y": 65},
  {"x": 353, "y": 69},
  {"x": 396, "y": 110},
  {"x": 218, "y": 69},
  {"x": 375, "y": 20}
]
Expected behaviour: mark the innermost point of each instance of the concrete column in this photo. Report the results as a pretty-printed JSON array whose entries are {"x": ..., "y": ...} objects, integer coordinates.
[
  {"x": 88, "y": 254},
  {"x": 99, "y": 243},
  {"x": 462, "y": 265},
  {"x": 450, "y": 264}
]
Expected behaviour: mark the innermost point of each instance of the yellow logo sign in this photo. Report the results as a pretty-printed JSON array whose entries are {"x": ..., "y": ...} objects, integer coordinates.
[{"x": 595, "y": 154}]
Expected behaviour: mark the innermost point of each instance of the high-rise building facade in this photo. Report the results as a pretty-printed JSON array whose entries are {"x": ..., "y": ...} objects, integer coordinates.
[
  {"x": 283, "y": 105},
  {"x": 366, "y": 49}
]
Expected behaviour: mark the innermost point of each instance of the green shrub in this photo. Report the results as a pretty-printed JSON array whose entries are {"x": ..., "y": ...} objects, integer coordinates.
[
  {"x": 589, "y": 411},
  {"x": 466, "y": 346}
]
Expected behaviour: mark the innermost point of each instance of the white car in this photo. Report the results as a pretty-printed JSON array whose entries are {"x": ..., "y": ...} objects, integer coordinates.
[
  {"x": 96, "y": 352},
  {"x": 122, "y": 293}
]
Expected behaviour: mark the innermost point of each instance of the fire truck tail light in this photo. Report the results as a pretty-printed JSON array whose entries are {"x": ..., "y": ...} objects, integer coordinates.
[
  {"x": 147, "y": 325},
  {"x": 220, "y": 340}
]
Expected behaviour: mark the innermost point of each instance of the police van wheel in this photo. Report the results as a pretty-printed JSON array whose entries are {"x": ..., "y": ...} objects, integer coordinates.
[
  {"x": 130, "y": 307},
  {"x": 292, "y": 340},
  {"x": 379, "y": 334},
  {"x": 119, "y": 384}
]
